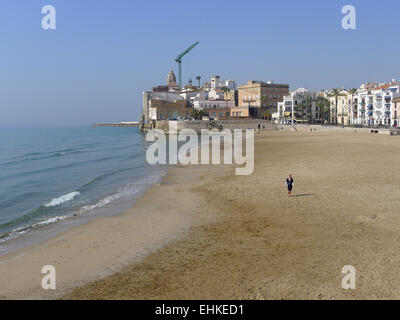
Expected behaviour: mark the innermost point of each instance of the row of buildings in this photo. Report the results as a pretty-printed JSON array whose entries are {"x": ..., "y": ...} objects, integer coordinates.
[
  {"x": 220, "y": 99},
  {"x": 372, "y": 104}
]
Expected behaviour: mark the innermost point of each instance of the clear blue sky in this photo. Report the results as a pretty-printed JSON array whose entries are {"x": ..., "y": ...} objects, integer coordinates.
[{"x": 103, "y": 54}]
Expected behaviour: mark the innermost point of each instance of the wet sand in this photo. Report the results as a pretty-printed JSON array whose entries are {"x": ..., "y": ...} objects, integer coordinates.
[{"x": 210, "y": 234}]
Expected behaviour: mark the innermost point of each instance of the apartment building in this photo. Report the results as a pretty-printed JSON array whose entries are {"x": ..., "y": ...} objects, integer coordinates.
[
  {"x": 297, "y": 107},
  {"x": 258, "y": 97},
  {"x": 375, "y": 104}
]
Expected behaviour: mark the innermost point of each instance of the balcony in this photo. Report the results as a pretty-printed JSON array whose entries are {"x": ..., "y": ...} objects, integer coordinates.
[
  {"x": 387, "y": 113},
  {"x": 369, "y": 113},
  {"x": 370, "y": 107}
]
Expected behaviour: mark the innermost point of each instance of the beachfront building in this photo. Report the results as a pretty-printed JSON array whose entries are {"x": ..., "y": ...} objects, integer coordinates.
[
  {"x": 396, "y": 112},
  {"x": 217, "y": 109},
  {"x": 261, "y": 98},
  {"x": 213, "y": 104},
  {"x": 168, "y": 110},
  {"x": 239, "y": 112},
  {"x": 161, "y": 93},
  {"x": 375, "y": 103},
  {"x": 340, "y": 108},
  {"x": 299, "y": 106}
]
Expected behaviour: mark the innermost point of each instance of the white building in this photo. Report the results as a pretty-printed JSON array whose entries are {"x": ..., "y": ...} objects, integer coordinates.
[
  {"x": 155, "y": 95},
  {"x": 217, "y": 83},
  {"x": 213, "y": 104},
  {"x": 193, "y": 94},
  {"x": 374, "y": 103},
  {"x": 216, "y": 94},
  {"x": 288, "y": 111}
]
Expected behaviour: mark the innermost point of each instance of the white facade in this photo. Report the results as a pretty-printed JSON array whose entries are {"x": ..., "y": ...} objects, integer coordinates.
[
  {"x": 374, "y": 104},
  {"x": 190, "y": 96},
  {"x": 343, "y": 108},
  {"x": 287, "y": 109},
  {"x": 164, "y": 95},
  {"x": 213, "y": 104},
  {"x": 216, "y": 94},
  {"x": 217, "y": 83}
]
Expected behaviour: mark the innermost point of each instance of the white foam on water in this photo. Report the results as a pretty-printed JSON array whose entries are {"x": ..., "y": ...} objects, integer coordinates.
[
  {"x": 62, "y": 199},
  {"x": 132, "y": 189}
]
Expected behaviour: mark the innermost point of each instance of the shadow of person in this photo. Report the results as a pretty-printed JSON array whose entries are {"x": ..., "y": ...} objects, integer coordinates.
[{"x": 304, "y": 195}]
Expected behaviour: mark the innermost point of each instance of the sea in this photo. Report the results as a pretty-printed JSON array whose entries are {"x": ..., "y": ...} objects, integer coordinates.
[{"x": 55, "y": 178}]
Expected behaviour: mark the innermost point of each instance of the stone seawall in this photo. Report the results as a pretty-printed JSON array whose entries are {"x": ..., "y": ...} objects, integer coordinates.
[{"x": 198, "y": 125}]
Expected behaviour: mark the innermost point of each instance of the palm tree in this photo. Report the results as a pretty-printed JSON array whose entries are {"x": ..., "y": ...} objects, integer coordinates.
[
  {"x": 301, "y": 107},
  {"x": 324, "y": 106},
  {"x": 309, "y": 100},
  {"x": 336, "y": 93},
  {"x": 267, "y": 114},
  {"x": 264, "y": 100},
  {"x": 352, "y": 91},
  {"x": 226, "y": 91},
  {"x": 198, "y": 114},
  {"x": 198, "y": 80},
  {"x": 264, "y": 104}
]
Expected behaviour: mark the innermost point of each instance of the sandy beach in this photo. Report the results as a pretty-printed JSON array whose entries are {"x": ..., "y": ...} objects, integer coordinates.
[{"x": 205, "y": 233}]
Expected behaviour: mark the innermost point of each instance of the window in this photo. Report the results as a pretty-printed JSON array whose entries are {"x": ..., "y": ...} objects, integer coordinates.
[{"x": 221, "y": 114}]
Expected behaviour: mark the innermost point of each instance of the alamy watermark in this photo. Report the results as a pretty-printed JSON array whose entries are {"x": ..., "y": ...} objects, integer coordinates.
[
  {"x": 49, "y": 280},
  {"x": 49, "y": 20},
  {"x": 195, "y": 151},
  {"x": 349, "y": 20},
  {"x": 349, "y": 280}
]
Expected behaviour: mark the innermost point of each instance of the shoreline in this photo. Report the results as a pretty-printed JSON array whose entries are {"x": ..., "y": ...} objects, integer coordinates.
[
  {"x": 104, "y": 245},
  {"x": 50, "y": 228}
]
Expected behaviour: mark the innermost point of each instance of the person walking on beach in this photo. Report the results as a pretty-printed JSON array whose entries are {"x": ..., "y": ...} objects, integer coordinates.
[{"x": 289, "y": 184}]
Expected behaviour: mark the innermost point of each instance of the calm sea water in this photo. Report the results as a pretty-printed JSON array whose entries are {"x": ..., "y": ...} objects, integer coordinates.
[{"x": 49, "y": 175}]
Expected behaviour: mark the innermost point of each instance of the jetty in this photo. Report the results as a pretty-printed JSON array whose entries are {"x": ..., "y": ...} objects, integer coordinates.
[{"x": 117, "y": 124}]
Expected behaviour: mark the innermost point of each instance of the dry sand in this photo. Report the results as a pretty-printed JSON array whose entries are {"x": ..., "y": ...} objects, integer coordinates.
[{"x": 241, "y": 237}]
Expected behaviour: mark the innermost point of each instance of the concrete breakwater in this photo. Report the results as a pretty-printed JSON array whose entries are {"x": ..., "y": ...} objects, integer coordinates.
[{"x": 116, "y": 124}]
